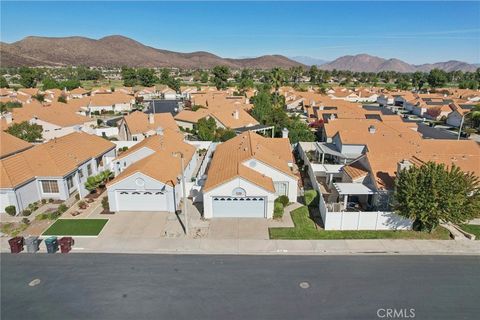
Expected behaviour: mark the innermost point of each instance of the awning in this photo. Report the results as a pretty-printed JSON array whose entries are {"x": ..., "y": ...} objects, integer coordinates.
[
  {"x": 352, "y": 188},
  {"x": 329, "y": 148}
]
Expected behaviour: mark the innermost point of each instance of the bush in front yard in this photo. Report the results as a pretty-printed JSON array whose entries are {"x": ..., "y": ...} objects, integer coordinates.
[
  {"x": 62, "y": 208},
  {"x": 283, "y": 200},
  {"x": 26, "y": 212},
  {"x": 277, "y": 210},
  {"x": 11, "y": 210},
  {"x": 310, "y": 197},
  {"x": 105, "y": 204}
]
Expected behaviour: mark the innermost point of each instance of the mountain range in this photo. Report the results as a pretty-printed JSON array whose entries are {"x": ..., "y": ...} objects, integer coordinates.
[
  {"x": 119, "y": 51},
  {"x": 122, "y": 51}
]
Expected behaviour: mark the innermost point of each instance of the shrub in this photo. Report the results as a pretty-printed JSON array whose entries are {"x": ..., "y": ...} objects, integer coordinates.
[
  {"x": 283, "y": 200},
  {"x": 77, "y": 197},
  {"x": 44, "y": 201},
  {"x": 11, "y": 210},
  {"x": 50, "y": 200},
  {"x": 25, "y": 221},
  {"x": 82, "y": 204},
  {"x": 310, "y": 197},
  {"x": 105, "y": 204},
  {"x": 62, "y": 208},
  {"x": 278, "y": 210},
  {"x": 26, "y": 212}
]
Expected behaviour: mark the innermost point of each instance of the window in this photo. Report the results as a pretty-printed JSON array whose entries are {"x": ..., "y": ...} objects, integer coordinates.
[
  {"x": 281, "y": 188},
  {"x": 89, "y": 169},
  {"x": 49, "y": 186},
  {"x": 70, "y": 182},
  {"x": 80, "y": 174}
]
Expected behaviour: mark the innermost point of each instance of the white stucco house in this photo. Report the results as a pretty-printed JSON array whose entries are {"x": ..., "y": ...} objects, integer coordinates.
[
  {"x": 246, "y": 175},
  {"x": 54, "y": 170},
  {"x": 149, "y": 174}
]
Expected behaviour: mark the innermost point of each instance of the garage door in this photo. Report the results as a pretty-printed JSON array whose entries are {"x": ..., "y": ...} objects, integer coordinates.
[
  {"x": 245, "y": 207},
  {"x": 151, "y": 200}
]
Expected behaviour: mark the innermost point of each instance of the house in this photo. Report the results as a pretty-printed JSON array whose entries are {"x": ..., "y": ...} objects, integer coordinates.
[
  {"x": 149, "y": 174},
  {"x": 57, "y": 119},
  {"x": 79, "y": 93},
  {"x": 355, "y": 167},
  {"x": 385, "y": 99},
  {"x": 57, "y": 169},
  {"x": 110, "y": 102},
  {"x": 246, "y": 175},
  {"x": 138, "y": 125},
  {"x": 458, "y": 113},
  {"x": 11, "y": 145}
]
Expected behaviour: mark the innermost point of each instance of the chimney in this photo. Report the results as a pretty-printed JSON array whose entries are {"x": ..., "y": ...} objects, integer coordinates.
[
  {"x": 403, "y": 165},
  {"x": 8, "y": 117},
  {"x": 285, "y": 133},
  {"x": 159, "y": 131},
  {"x": 151, "y": 118},
  {"x": 372, "y": 129},
  {"x": 235, "y": 114}
]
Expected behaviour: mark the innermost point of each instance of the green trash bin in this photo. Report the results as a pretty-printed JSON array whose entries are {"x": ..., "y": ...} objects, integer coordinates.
[{"x": 52, "y": 244}]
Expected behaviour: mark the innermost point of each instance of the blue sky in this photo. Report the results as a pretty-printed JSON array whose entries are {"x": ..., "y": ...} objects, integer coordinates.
[{"x": 417, "y": 32}]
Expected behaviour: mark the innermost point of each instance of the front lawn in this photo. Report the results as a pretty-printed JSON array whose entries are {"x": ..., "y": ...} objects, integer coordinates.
[
  {"x": 305, "y": 229},
  {"x": 473, "y": 229},
  {"x": 76, "y": 227}
]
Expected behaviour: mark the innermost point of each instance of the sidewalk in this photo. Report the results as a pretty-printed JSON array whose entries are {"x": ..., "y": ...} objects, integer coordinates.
[{"x": 269, "y": 247}]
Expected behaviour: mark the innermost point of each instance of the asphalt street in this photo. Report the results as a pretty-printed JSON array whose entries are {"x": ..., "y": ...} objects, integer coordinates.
[{"x": 117, "y": 286}]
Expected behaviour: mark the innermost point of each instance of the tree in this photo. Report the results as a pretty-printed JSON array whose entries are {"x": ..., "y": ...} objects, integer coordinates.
[
  {"x": 26, "y": 131},
  {"x": 224, "y": 134},
  {"x": 69, "y": 84},
  {"x": 437, "y": 78},
  {"x": 220, "y": 77},
  {"x": 49, "y": 83},
  {"x": 473, "y": 118},
  {"x": 3, "y": 82},
  {"x": 27, "y": 77},
  {"x": 277, "y": 78},
  {"x": 418, "y": 80},
  {"x": 433, "y": 193},
  {"x": 129, "y": 77},
  {"x": 206, "y": 129},
  {"x": 62, "y": 99},
  {"x": 164, "y": 76},
  {"x": 245, "y": 81},
  {"x": 313, "y": 73},
  {"x": 146, "y": 77}
]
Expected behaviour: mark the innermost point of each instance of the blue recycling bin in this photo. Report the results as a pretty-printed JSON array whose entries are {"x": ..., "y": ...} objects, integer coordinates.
[{"x": 52, "y": 244}]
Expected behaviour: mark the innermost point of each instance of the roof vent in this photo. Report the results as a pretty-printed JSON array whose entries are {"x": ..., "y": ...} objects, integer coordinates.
[
  {"x": 159, "y": 131},
  {"x": 372, "y": 129}
]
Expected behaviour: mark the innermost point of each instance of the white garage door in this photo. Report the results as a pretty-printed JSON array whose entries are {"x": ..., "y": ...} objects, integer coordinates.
[
  {"x": 150, "y": 200},
  {"x": 246, "y": 207}
]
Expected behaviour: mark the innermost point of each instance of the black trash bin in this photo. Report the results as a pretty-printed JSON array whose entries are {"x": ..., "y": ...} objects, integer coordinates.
[{"x": 52, "y": 244}]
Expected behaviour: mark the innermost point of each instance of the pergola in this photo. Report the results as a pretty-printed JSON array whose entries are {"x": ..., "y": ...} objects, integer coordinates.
[
  {"x": 345, "y": 189},
  {"x": 258, "y": 128}
]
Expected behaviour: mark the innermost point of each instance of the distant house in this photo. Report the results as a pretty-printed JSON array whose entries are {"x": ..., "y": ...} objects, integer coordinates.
[
  {"x": 54, "y": 170},
  {"x": 79, "y": 93},
  {"x": 138, "y": 125},
  {"x": 115, "y": 101}
]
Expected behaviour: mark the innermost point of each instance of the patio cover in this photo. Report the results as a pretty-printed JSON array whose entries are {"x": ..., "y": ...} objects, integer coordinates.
[
  {"x": 329, "y": 148},
  {"x": 352, "y": 188}
]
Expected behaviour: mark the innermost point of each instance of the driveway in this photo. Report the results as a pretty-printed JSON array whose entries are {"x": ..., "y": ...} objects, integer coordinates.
[
  {"x": 238, "y": 228},
  {"x": 139, "y": 224}
]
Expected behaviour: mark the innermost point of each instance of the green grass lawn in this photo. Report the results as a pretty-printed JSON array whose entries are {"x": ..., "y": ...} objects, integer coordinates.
[
  {"x": 76, "y": 227},
  {"x": 473, "y": 229},
  {"x": 305, "y": 229}
]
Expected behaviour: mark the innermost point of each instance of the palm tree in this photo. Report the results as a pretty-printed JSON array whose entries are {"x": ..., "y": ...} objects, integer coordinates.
[{"x": 277, "y": 78}]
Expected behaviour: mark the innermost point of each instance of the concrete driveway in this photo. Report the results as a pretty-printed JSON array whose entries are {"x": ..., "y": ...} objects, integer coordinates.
[
  {"x": 140, "y": 224},
  {"x": 238, "y": 228}
]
